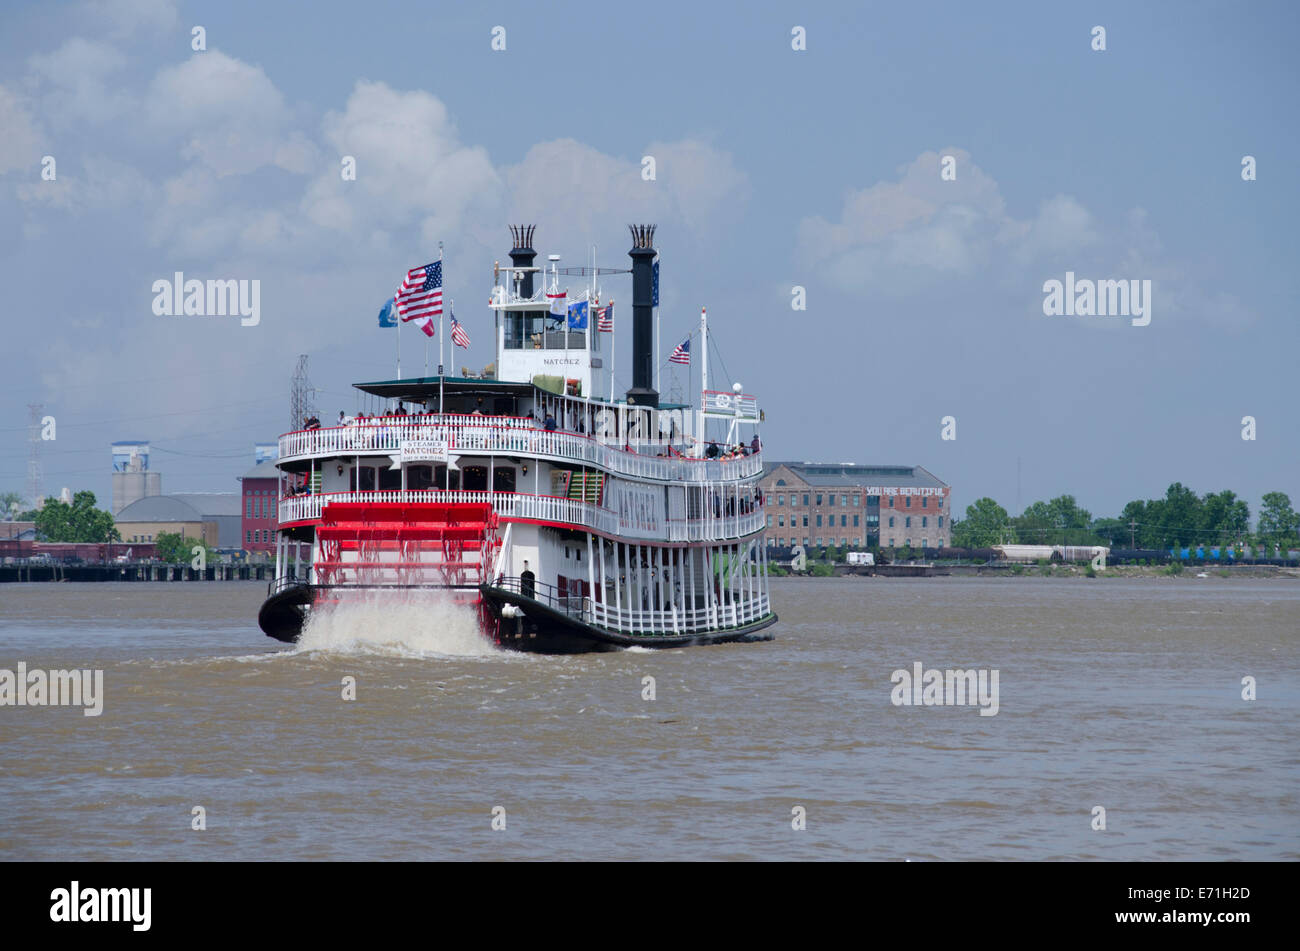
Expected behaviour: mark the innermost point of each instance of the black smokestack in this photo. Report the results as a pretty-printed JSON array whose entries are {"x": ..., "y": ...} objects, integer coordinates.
[
  {"x": 522, "y": 254},
  {"x": 642, "y": 254}
]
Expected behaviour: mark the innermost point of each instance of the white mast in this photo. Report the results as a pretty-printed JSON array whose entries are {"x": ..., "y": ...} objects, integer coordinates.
[{"x": 704, "y": 368}]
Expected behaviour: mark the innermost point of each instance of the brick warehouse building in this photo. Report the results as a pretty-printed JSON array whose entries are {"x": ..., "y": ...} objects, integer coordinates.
[
  {"x": 816, "y": 503},
  {"x": 261, "y": 494}
]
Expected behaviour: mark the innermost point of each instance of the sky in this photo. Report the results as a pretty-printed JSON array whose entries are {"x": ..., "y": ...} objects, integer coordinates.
[{"x": 775, "y": 168}]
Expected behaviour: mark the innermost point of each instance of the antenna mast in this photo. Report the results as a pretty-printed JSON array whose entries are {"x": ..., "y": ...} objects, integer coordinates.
[
  {"x": 35, "y": 412},
  {"x": 302, "y": 395}
]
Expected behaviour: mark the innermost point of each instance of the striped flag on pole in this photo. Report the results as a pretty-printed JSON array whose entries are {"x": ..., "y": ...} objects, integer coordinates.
[
  {"x": 420, "y": 296},
  {"x": 605, "y": 319},
  {"x": 458, "y": 335},
  {"x": 683, "y": 353}
]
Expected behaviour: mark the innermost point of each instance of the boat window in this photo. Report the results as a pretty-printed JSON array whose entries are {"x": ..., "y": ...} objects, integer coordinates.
[
  {"x": 440, "y": 480},
  {"x": 419, "y": 477},
  {"x": 363, "y": 479},
  {"x": 503, "y": 479},
  {"x": 474, "y": 478}
]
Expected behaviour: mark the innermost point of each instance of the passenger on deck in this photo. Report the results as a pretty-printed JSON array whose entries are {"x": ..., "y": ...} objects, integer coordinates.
[
  {"x": 549, "y": 424},
  {"x": 754, "y": 444},
  {"x": 401, "y": 410},
  {"x": 478, "y": 408},
  {"x": 712, "y": 451}
]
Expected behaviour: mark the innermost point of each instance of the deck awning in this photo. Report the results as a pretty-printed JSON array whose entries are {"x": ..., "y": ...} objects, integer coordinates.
[{"x": 426, "y": 387}]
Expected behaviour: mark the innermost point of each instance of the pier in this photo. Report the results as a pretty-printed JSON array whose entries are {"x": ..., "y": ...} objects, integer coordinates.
[{"x": 56, "y": 572}]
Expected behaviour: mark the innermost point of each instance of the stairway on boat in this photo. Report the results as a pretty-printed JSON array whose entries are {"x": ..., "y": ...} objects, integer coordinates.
[
  {"x": 581, "y": 486},
  {"x": 389, "y": 544}
]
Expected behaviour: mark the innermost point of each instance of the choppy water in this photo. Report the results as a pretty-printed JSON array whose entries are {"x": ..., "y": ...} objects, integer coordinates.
[{"x": 1120, "y": 693}]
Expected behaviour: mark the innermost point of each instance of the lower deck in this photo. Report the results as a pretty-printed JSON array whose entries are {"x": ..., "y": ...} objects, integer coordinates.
[{"x": 625, "y": 588}]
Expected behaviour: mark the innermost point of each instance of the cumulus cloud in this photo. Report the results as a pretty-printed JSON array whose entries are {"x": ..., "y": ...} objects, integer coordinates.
[
  {"x": 229, "y": 115},
  {"x": 411, "y": 166},
  {"x": 579, "y": 192},
  {"x": 22, "y": 143},
  {"x": 899, "y": 232},
  {"x": 77, "y": 82},
  {"x": 919, "y": 231},
  {"x": 94, "y": 184}
]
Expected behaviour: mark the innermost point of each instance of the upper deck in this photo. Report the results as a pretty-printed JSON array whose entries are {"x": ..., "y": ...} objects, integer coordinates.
[{"x": 471, "y": 434}]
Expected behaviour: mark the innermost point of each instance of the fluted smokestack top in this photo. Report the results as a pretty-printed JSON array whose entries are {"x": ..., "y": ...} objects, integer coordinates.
[
  {"x": 522, "y": 254},
  {"x": 523, "y": 236},
  {"x": 643, "y": 236}
]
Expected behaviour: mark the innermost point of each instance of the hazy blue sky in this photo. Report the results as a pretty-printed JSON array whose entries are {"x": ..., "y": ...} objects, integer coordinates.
[{"x": 775, "y": 168}]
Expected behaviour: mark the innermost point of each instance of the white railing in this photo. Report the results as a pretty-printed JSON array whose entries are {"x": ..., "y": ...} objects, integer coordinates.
[
  {"x": 508, "y": 434},
  {"x": 726, "y": 614},
  {"x": 547, "y": 508},
  {"x": 726, "y": 526}
]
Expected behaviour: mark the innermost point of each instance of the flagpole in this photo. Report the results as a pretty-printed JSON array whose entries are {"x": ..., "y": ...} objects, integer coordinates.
[
  {"x": 399, "y": 345},
  {"x": 704, "y": 367},
  {"x": 442, "y": 327},
  {"x": 442, "y": 316}
]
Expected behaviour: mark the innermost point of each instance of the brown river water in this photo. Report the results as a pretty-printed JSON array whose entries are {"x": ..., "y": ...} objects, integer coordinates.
[{"x": 1119, "y": 693}]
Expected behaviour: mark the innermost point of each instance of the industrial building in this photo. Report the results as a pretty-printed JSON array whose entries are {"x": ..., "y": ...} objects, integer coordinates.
[
  {"x": 817, "y": 504},
  {"x": 227, "y": 521},
  {"x": 132, "y": 479}
]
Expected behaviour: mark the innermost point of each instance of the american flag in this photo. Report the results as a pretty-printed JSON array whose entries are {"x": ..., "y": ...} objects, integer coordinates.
[
  {"x": 605, "y": 319},
  {"x": 683, "y": 353},
  {"x": 420, "y": 296},
  {"x": 458, "y": 335}
]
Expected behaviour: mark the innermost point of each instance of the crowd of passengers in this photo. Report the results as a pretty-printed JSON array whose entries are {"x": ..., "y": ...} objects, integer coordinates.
[
  {"x": 548, "y": 422},
  {"x": 731, "y": 504}
]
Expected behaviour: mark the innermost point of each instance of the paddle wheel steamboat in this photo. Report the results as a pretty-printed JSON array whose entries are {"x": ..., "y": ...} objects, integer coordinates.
[{"x": 568, "y": 519}]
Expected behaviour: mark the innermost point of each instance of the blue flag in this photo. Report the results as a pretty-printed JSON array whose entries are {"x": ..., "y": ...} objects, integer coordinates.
[
  {"x": 386, "y": 316},
  {"x": 578, "y": 315},
  {"x": 654, "y": 284}
]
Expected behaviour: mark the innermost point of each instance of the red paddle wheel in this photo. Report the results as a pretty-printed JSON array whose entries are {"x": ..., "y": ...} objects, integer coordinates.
[{"x": 448, "y": 546}]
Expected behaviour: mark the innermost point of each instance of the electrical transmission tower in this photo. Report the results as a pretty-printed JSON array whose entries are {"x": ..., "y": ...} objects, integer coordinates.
[
  {"x": 35, "y": 411},
  {"x": 302, "y": 395}
]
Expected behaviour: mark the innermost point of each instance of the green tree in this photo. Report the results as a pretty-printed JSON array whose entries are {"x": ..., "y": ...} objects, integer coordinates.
[
  {"x": 7, "y": 502},
  {"x": 1111, "y": 531},
  {"x": 1182, "y": 516},
  {"x": 1054, "y": 522},
  {"x": 1224, "y": 518},
  {"x": 1138, "y": 528},
  {"x": 1278, "y": 522},
  {"x": 986, "y": 523},
  {"x": 178, "y": 549},
  {"x": 78, "y": 522}
]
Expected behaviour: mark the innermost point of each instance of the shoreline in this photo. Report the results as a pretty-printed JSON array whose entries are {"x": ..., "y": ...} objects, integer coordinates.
[{"x": 1194, "y": 573}]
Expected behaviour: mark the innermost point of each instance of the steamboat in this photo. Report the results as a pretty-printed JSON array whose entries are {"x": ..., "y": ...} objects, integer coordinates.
[{"x": 569, "y": 518}]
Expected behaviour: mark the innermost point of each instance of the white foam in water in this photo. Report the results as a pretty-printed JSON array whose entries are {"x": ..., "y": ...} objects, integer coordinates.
[{"x": 401, "y": 622}]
